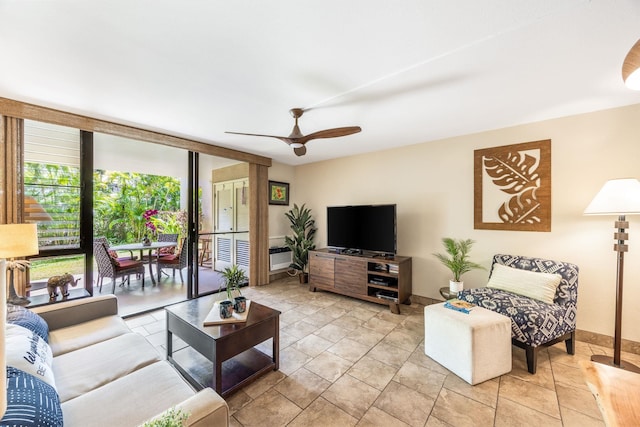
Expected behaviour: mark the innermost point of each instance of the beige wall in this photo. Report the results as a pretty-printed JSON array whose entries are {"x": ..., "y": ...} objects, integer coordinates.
[
  {"x": 278, "y": 223},
  {"x": 432, "y": 185}
]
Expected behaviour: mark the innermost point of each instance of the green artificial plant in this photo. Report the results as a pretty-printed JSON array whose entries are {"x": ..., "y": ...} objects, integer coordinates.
[
  {"x": 304, "y": 230},
  {"x": 171, "y": 418},
  {"x": 457, "y": 259},
  {"x": 233, "y": 277}
]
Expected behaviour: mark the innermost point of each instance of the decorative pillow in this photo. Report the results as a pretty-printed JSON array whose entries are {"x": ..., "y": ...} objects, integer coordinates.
[
  {"x": 167, "y": 251},
  {"x": 532, "y": 284},
  {"x": 113, "y": 254},
  {"x": 30, "y": 402},
  {"x": 19, "y": 315},
  {"x": 26, "y": 351}
]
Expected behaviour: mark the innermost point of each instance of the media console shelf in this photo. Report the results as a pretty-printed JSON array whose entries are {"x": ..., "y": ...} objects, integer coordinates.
[{"x": 375, "y": 279}]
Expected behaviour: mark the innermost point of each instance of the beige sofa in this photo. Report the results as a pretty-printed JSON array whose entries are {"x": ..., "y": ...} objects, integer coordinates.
[{"x": 106, "y": 374}]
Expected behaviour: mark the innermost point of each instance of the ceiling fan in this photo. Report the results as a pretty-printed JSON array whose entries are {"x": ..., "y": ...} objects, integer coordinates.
[{"x": 297, "y": 140}]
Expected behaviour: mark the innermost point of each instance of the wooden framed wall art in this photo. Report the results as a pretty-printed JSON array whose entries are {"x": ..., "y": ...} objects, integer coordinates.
[
  {"x": 278, "y": 193},
  {"x": 512, "y": 187}
]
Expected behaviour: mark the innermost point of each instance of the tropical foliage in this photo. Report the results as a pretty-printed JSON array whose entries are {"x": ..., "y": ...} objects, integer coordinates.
[
  {"x": 57, "y": 188},
  {"x": 304, "y": 230},
  {"x": 458, "y": 257},
  {"x": 120, "y": 202}
]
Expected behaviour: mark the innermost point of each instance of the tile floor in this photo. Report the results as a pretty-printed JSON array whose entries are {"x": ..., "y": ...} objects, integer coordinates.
[{"x": 345, "y": 362}]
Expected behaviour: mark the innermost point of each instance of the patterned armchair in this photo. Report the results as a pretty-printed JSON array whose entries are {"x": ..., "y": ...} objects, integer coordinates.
[{"x": 534, "y": 323}]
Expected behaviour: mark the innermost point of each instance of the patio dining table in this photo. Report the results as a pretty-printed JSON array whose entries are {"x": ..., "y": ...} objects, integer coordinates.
[{"x": 142, "y": 247}]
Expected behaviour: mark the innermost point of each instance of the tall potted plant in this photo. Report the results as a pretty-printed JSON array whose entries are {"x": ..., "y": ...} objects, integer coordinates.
[
  {"x": 457, "y": 260},
  {"x": 304, "y": 230}
]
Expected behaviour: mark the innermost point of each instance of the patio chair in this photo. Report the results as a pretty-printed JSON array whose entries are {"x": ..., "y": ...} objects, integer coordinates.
[
  {"x": 103, "y": 239},
  {"x": 166, "y": 237},
  {"x": 110, "y": 267},
  {"x": 176, "y": 261}
]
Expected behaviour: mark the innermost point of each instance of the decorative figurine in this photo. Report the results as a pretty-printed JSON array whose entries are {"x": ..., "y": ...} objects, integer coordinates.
[{"x": 63, "y": 282}]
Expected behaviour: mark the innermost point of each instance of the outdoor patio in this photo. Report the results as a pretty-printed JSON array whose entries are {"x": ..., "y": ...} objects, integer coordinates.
[{"x": 132, "y": 298}]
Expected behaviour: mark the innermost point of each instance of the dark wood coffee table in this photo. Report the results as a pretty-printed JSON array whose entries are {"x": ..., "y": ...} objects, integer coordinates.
[{"x": 222, "y": 357}]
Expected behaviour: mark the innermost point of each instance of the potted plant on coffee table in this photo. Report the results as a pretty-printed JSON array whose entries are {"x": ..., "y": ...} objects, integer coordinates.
[
  {"x": 304, "y": 230},
  {"x": 457, "y": 260},
  {"x": 234, "y": 276}
]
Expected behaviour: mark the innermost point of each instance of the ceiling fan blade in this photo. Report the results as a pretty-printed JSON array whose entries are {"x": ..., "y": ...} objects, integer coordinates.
[
  {"x": 281, "y": 138},
  {"x": 300, "y": 151},
  {"x": 297, "y": 140},
  {"x": 330, "y": 133}
]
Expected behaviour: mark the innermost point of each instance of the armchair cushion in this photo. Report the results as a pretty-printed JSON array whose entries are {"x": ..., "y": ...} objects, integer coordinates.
[
  {"x": 536, "y": 285},
  {"x": 126, "y": 264},
  {"x": 533, "y": 322},
  {"x": 169, "y": 259}
]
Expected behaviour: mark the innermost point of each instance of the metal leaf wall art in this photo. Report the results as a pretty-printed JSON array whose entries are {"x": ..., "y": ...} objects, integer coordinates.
[{"x": 513, "y": 187}]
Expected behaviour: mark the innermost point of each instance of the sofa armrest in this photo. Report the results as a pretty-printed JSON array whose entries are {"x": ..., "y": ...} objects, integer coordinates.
[
  {"x": 77, "y": 311},
  {"x": 206, "y": 409}
]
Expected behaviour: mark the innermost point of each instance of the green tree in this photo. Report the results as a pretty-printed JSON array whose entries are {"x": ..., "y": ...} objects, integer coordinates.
[{"x": 120, "y": 200}]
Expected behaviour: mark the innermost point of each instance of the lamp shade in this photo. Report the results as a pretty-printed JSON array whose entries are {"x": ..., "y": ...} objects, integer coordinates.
[
  {"x": 617, "y": 197},
  {"x": 17, "y": 240},
  {"x": 631, "y": 68}
]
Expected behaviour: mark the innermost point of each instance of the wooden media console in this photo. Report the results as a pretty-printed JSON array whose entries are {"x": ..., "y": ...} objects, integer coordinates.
[{"x": 371, "y": 278}]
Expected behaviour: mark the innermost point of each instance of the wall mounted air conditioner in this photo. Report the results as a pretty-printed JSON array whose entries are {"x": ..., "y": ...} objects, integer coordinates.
[{"x": 279, "y": 258}]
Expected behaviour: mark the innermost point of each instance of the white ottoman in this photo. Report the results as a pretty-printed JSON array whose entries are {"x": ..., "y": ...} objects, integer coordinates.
[{"x": 476, "y": 346}]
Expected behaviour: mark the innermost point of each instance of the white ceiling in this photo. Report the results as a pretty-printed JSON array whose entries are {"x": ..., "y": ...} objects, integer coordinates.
[{"x": 406, "y": 71}]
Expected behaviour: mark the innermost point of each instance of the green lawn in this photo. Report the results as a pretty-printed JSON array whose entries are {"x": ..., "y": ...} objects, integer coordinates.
[{"x": 45, "y": 268}]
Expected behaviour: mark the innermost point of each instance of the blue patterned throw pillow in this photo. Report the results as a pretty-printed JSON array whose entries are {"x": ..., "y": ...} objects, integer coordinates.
[
  {"x": 28, "y": 319},
  {"x": 30, "y": 402}
]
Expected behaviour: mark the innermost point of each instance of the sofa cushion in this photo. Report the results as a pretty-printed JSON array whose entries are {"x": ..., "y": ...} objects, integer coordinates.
[
  {"x": 25, "y": 350},
  {"x": 30, "y": 402},
  {"x": 19, "y": 315},
  {"x": 88, "y": 368},
  {"x": 532, "y": 284},
  {"x": 71, "y": 338},
  {"x": 130, "y": 400}
]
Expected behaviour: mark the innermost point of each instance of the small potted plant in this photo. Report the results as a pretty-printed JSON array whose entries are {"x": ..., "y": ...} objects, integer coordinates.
[
  {"x": 171, "y": 418},
  {"x": 304, "y": 230},
  {"x": 457, "y": 260},
  {"x": 233, "y": 277}
]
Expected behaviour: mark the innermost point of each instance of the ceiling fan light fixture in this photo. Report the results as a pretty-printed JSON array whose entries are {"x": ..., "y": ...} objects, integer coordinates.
[
  {"x": 296, "y": 145},
  {"x": 631, "y": 68}
]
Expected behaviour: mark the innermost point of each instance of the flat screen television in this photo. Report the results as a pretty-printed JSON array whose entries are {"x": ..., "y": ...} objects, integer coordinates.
[{"x": 370, "y": 228}]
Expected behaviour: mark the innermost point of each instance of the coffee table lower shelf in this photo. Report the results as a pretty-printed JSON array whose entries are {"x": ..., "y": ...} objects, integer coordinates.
[{"x": 236, "y": 372}]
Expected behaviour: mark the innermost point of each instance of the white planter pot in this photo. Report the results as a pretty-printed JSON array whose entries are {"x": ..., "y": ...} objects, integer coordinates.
[{"x": 455, "y": 286}]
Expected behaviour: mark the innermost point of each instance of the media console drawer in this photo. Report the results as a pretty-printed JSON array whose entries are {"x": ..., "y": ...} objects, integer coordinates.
[{"x": 380, "y": 280}]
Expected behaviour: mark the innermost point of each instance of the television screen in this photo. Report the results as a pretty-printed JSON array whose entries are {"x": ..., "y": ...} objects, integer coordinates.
[{"x": 367, "y": 227}]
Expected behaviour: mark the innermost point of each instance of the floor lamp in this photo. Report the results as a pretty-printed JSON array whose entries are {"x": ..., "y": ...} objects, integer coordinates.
[
  {"x": 617, "y": 197},
  {"x": 16, "y": 240}
]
